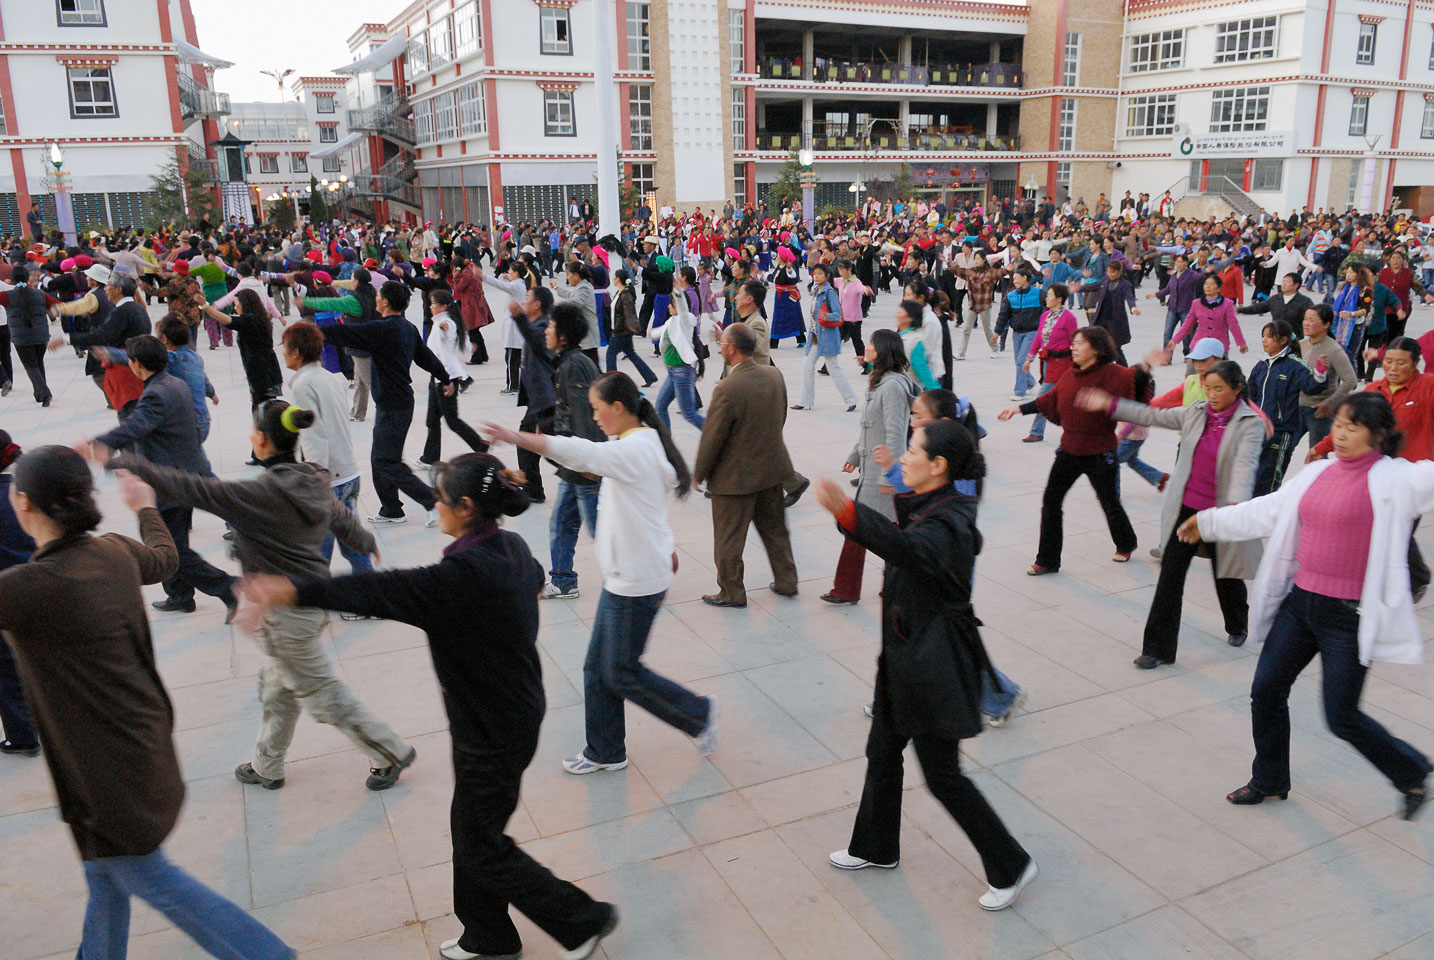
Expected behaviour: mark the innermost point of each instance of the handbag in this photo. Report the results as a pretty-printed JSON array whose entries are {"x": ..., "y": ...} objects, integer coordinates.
[{"x": 824, "y": 315}]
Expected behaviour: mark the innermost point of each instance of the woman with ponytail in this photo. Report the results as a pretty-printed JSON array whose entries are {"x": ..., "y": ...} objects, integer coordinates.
[
  {"x": 485, "y": 653},
  {"x": 104, "y": 718},
  {"x": 280, "y": 520},
  {"x": 929, "y": 673},
  {"x": 640, "y": 468}
]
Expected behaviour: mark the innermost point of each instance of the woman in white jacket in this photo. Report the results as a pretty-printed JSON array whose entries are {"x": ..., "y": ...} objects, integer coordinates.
[
  {"x": 446, "y": 339},
  {"x": 1334, "y": 581},
  {"x": 640, "y": 467}
]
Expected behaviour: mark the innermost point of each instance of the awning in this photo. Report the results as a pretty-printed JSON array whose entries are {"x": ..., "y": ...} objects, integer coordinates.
[
  {"x": 390, "y": 49},
  {"x": 189, "y": 53},
  {"x": 329, "y": 149}
]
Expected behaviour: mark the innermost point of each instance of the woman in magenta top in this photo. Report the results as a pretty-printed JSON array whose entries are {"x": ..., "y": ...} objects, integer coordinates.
[
  {"x": 1213, "y": 315},
  {"x": 1052, "y": 349}
]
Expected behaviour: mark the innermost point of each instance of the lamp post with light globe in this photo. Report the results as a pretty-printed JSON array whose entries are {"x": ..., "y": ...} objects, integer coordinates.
[
  {"x": 809, "y": 181},
  {"x": 64, "y": 200}
]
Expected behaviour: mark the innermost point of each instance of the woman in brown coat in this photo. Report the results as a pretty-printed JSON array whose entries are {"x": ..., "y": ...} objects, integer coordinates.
[{"x": 104, "y": 719}]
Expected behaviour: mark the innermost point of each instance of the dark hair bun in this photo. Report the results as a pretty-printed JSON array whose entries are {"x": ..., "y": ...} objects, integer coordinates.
[
  {"x": 975, "y": 467},
  {"x": 303, "y": 419},
  {"x": 515, "y": 500}
]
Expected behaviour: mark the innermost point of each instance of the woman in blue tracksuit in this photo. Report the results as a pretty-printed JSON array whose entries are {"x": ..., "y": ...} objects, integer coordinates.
[{"x": 1275, "y": 385}]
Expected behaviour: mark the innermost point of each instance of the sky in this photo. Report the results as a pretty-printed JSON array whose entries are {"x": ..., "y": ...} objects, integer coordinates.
[{"x": 264, "y": 35}]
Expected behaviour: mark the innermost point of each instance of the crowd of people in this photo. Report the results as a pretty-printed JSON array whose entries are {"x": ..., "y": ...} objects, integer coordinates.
[{"x": 700, "y": 299}]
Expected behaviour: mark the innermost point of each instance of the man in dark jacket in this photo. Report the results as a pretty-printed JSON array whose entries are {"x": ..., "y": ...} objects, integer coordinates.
[
  {"x": 1020, "y": 313},
  {"x": 536, "y": 390},
  {"x": 577, "y": 498},
  {"x": 27, "y": 316},
  {"x": 1179, "y": 292},
  {"x": 1288, "y": 305},
  {"x": 1113, "y": 297},
  {"x": 163, "y": 430}
]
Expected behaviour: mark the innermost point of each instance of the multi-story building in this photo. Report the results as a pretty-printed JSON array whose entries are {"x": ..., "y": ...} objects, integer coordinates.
[{"x": 120, "y": 85}]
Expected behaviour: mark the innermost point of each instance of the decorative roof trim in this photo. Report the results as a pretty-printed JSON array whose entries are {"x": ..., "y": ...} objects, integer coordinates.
[
  {"x": 82, "y": 141},
  {"x": 87, "y": 61},
  {"x": 565, "y": 85},
  {"x": 1371, "y": 18},
  {"x": 8, "y": 46}
]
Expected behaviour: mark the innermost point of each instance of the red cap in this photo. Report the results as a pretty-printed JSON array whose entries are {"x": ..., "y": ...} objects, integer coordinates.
[
  {"x": 322, "y": 276},
  {"x": 181, "y": 267},
  {"x": 370, "y": 264},
  {"x": 84, "y": 261},
  {"x": 314, "y": 255}
]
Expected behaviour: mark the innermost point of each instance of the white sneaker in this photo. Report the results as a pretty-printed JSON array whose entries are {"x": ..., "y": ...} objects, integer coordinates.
[
  {"x": 432, "y": 520},
  {"x": 994, "y": 899},
  {"x": 870, "y": 709},
  {"x": 551, "y": 591},
  {"x": 707, "y": 740},
  {"x": 384, "y": 518},
  {"x": 580, "y": 765},
  {"x": 452, "y": 951},
  {"x": 995, "y": 356},
  {"x": 845, "y": 861},
  {"x": 1018, "y": 398}
]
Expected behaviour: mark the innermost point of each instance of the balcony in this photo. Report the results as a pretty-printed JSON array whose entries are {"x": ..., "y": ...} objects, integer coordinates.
[
  {"x": 375, "y": 186},
  {"x": 915, "y": 141},
  {"x": 391, "y": 117},
  {"x": 991, "y": 75},
  {"x": 196, "y": 102},
  {"x": 198, "y": 161}
]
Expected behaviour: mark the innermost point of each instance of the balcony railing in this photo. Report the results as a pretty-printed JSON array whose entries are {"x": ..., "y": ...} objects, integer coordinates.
[
  {"x": 400, "y": 167},
  {"x": 198, "y": 161},
  {"x": 992, "y": 74},
  {"x": 196, "y": 101},
  {"x": 388, "y": 188},
  {"x": 392, "y": 116},
  {"x": 915, "y": 141}
]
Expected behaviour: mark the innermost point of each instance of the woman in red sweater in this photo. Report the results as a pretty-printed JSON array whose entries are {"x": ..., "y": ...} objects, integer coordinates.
[
  {"x": 1400, "y": 280},
  {"x": 1088, "y": 443}
]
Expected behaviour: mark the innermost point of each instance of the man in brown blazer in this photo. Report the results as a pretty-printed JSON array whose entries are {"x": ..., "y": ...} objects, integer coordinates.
[{"x": 744, "y": 462}]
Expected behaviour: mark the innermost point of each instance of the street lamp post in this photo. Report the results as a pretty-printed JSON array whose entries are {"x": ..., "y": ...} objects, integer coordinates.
[
  {"x": 805, "y": 156},
  {"x": 64, "y": 200},
  {"x": 856, "y": 189}
]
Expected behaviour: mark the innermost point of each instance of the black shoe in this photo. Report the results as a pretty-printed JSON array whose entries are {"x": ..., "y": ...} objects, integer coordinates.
[
  {"x": 45, "y": 402},
  {"x": 252, "y": 462},
  {"x": 231, "y": 607},
  {"x": 715, "y": 600},
  {"x": 244, "y": 773},
  {"x": 1413, "y": 799},
  {"x": 790, "y": 500},
  {"x": 14, "y": 749},
  {"x": 781, "y": 593},
  {"x": 382, "y": 779},
  {"x": 824, "y": 372},
  {"x": 174, "y": 606},
  {"x": 1237, "y": 639},
  {"x": 1150, "y": 663},
  {"x": 649, "y": 383},
  {"x": 538, "y": 497},
  {"x": 1249, "y": 795}
]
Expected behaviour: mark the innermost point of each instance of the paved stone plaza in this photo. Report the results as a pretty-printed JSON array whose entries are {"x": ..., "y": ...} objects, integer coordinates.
[{"x": 1113, "y": 778}]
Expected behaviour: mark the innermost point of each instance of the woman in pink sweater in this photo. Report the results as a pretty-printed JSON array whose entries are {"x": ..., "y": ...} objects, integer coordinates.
[
  {"x": 1051, "y": 349},
  {"x": 1213, "y": 315}
]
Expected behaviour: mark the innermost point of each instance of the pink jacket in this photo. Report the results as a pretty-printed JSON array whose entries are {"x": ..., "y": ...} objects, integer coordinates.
[
  {"x": 851, "y": 293},
  {"x": 1219, "y": 323},
  {"x": 1061, "y": 332}
]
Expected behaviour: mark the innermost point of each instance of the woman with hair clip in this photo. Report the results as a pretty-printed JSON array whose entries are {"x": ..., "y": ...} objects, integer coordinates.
[
  {"x": 1333, "y": 583},
  {"x": 16, "y": 546},
  {"x": 104, "y": 718},
  {"x": 1219, "y": 459},
  {"x": 640, "y": 468},
  {"x": 492, "y": 686},
  {"x": 280, "y": 520},
  {"x": 928, "y": 674}
]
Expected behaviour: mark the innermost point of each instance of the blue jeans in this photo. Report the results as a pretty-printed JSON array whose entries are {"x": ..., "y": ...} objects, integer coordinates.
[
  {"x": 1020, "y": 347},
  {"x": 1173, "y": 320},
  {"x": 621, "y": 344},
  {"x": 613, "y": 672},
  {"x": 1128, "y": 453},
  {"x": 347, "y": 494},
  {"x": 214, "y": 923},
  {"x": 681, "y": 382},
  {"x": 1038, "y": 425},
  {"x": 1308, "y": 624},
  {"x": 575, "y": 503},
  {"x": 998, "y": 697}
]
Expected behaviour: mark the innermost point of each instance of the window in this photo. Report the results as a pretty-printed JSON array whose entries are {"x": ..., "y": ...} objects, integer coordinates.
[
  {"x": 1364, "y": 50},
  {"x": 269, "y": 164},
  {"x": 473, "y": 109},
  {"x": 81, "y": 13},
  {"x": 1267, "y": 176},
  {"x": 737, "y": 42},
  {"x": 91, "y": 92},
  {"x": 1063, "y": 174},
  {"x": 324, "y": 102},
  {"x": 739, "y": 118},
  {"x": 467, "y": 30},
  {"x": 1426, "y": 128},
  {"x": 739, "y": 183},
  {"x": 1072, "y": 60},
  {"x": 553, "y": 26},
  {"x": 1240, "y": 108},
  {"x": 639, "y": 25},
  {"x": 440, "y": 43},
  {"x": 639, "y": 116},
  {"x": 4, "y": 130},
  {"x": 1358, "y": 116},
  {"x": 1253, "y": 39},
  {"x": 1068, "y": 119},
  {"x": 1356, "y": 168},
  {"x": 299, "y": 163},
  {"x": 445, "y": 114},
  {"x": 423, "y": 122},
  {"x": 643, "y": 179},
  {"x": 418, "y": 54},
  {"x": 1157, "y": 51},
  {"x": 332, "y": 165},
  {"x": 1151, "y": 115},
  {"x": 328, "y": 134},
  {"x": 558, "y": 112}
]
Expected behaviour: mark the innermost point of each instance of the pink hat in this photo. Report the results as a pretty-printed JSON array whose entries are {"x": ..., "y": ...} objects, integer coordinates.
[
  {"x": 785, "y": 236},
  {"x": 322, "y": 276},
  {"x": 785, "y": 253},
  {"x": 67, "y": 264},
  {"x": 732, "y": 252},
  {"x": 428, "y": 262}
]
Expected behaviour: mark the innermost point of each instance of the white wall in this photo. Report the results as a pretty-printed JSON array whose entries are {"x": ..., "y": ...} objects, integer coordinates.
[
  {"x": 35, "y": 21},
  {"x": 42, "y": 107}
]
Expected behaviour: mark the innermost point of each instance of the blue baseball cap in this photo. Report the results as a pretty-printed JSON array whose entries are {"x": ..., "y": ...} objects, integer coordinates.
[{"x": 1205, "y": 349}]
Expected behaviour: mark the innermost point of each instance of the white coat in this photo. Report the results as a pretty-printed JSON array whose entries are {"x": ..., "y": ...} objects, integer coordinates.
[{"x": 1400, "y": 493}]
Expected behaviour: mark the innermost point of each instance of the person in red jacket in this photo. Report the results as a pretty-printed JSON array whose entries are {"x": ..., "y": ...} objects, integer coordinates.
[{"x": 1088, "y": 444}]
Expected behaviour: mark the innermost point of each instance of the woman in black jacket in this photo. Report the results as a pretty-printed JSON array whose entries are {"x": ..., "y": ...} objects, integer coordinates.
[
  {"x": 928, "y": 677},
  {"x": 488, "y": 669}
]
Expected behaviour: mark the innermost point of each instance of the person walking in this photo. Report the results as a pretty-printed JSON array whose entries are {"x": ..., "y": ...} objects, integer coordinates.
[
  {"x": 1051, "y": 347},
  {"x": 28, "y": 320},
  {"x": 1316, "y": 409},
  {"x": 625, "y": 326},
  {"x": 677, "y": 348},
  {"x": 1222, "y": 436},
  {"x": 16, "y": 547},
  {"x": 855, "y": 297},
  {"x": 447, "y": 339},
  {"x": 360, "y": 306},
  {"x": 824, "y": 342},
  {"x": 1212, "y": 315},
  {"x": 928, "y": 682},
  {"x": 1276, "y": 384},
  {"x": 1020, "y": 315},
  {"x": 104, "y": 718},
  {"x": 1088, "y": 445},
  {"x": 1332, "y": 584},
  {"x": 743, "y": 459},
  {"x": 485, "y": 653}
]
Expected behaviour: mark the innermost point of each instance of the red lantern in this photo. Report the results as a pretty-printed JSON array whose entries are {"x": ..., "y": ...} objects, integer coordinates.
[{"x": 955, "y": 172}]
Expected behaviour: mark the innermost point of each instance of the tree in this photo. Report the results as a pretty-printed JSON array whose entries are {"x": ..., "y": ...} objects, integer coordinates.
[
  {"x": 902, "y": 185},
  {"x": 788, "y": 183},
  {"x": 318, "y": 206},
  {"x": 281, "y": 214},
  {"x": 180, "y": 197}
]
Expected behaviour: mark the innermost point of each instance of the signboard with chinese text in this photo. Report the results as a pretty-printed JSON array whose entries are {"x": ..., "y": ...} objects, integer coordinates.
[{"x": 1203, "y": 146}]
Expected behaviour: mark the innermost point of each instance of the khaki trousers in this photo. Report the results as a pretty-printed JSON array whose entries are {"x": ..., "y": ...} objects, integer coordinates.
[
  {"x": 731, "y": 516},
  {"x": 363, "y": 372}
]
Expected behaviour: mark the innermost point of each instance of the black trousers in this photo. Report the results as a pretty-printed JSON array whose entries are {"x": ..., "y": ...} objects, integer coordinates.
[
  {"x": 851, "y": 330},
  {"x": 480, "y": 349},
  {"x": 1162, "y": 626},
  {"x": 534, "y": 421},
  {"x": 390, "y": 473},
  {"x": 7, "y": 372},
  {"x": 945, "y": 377},
  {"x": 876, "y": 835},
  {"x": 444, "y": 409},
  {"x": 1418, "y": 569},
  {"x": 32, "y": 358},
  {"x": 194, "y": 573},
  {"x": 644, "y": 312},
  {"x": 14, "y": 711},
  {"x": 491, "y": 872},
  {"x": 514, "y": 358},
  {"x": 1364, "y": 369},
  {"x": 1101, "y": 469}
]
